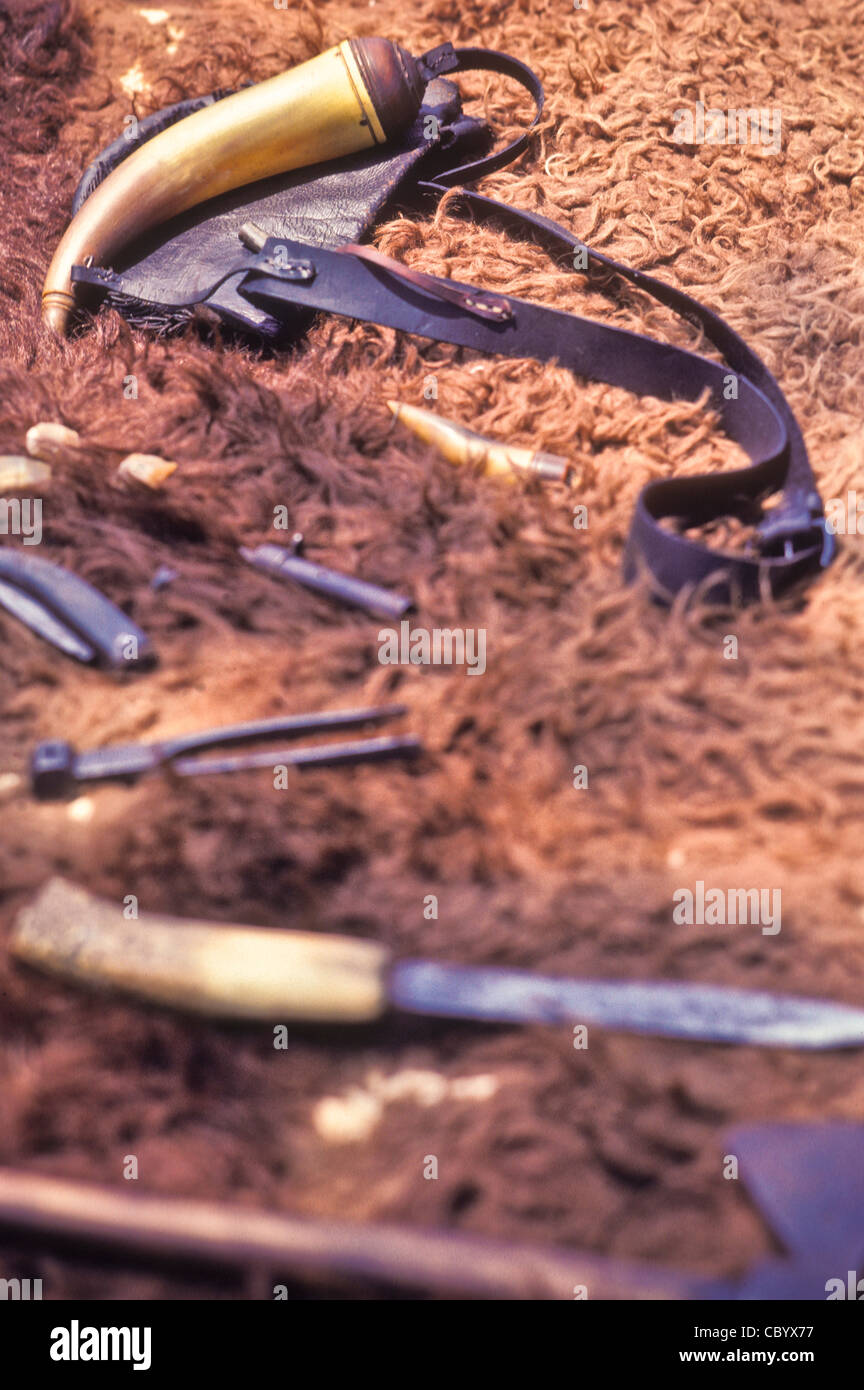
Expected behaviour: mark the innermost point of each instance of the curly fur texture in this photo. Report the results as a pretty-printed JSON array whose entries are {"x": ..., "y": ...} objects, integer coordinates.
[{"x": 737, "y": 772}]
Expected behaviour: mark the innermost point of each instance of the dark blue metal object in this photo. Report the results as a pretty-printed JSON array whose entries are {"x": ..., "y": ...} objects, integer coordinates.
[
  {"x": 807, "y": 1180},
  {"x": 40, "y": 621},
  {"x": 68, "y": 612},
  {"x": 364, "y": 750},
  {"x": 164, "y": 576},
  {"x": 666, "y": 1008},
  {"x": 57, "y": 771},
  {"x": 289, "y": 564}
]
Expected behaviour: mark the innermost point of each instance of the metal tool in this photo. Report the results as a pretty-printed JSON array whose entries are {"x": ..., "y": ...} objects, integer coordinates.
[
  {"x": 68, "y": 612},
  {"x": 808, "y": 1182},
  {"x": 246, "y": 972},
  {"x": 57, "y": 771},
  {"x": 290, "y": 564}
]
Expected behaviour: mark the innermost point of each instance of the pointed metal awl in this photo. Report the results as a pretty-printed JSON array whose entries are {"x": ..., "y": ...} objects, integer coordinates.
[
  {"x": 291, "y": 564},
  {"x": 58, "y": 771}
]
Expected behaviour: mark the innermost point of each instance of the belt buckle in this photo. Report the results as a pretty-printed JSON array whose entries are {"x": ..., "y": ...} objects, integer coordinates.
[{"x": 796, "y": 524}]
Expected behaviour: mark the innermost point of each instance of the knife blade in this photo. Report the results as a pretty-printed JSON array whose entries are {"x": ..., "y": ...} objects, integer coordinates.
[
  {"x": 667, "y": 1008},
  {"x": 242, "y": 972}
]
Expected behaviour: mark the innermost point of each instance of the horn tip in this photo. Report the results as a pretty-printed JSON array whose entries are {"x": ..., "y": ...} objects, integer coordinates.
[{"x": 57, "y": 311}]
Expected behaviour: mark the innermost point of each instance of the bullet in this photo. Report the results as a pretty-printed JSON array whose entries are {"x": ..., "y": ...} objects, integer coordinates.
[{"x": 460, "y": 445}]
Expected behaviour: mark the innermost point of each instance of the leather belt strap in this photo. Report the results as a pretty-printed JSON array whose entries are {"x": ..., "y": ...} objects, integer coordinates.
[
  {"x": 487, "y": 60},
  {"x": 792, "y": 539},
  {"x": 485, "y": 305},
  {"x": 791, "y": 544}
]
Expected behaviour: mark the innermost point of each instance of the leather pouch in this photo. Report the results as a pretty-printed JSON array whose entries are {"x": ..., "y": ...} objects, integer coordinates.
[{"x": 328, "y": 205}]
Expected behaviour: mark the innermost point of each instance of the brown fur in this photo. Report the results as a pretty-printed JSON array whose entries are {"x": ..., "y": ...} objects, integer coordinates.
[{"x": 740, "y": 773}]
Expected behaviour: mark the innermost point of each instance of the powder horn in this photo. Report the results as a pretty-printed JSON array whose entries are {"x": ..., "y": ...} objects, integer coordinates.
[{"x": 360, "y": 93}]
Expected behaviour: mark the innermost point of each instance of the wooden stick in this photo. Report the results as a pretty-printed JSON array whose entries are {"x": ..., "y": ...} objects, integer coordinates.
[{"x": 439, "y": 1262}]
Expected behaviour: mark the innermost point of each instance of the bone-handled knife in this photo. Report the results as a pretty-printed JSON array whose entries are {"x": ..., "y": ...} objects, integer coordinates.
[{"x": 242, "y": 972}]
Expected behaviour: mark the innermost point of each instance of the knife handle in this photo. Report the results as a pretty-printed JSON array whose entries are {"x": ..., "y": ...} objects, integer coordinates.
[{"x": 205, "y": 968}]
